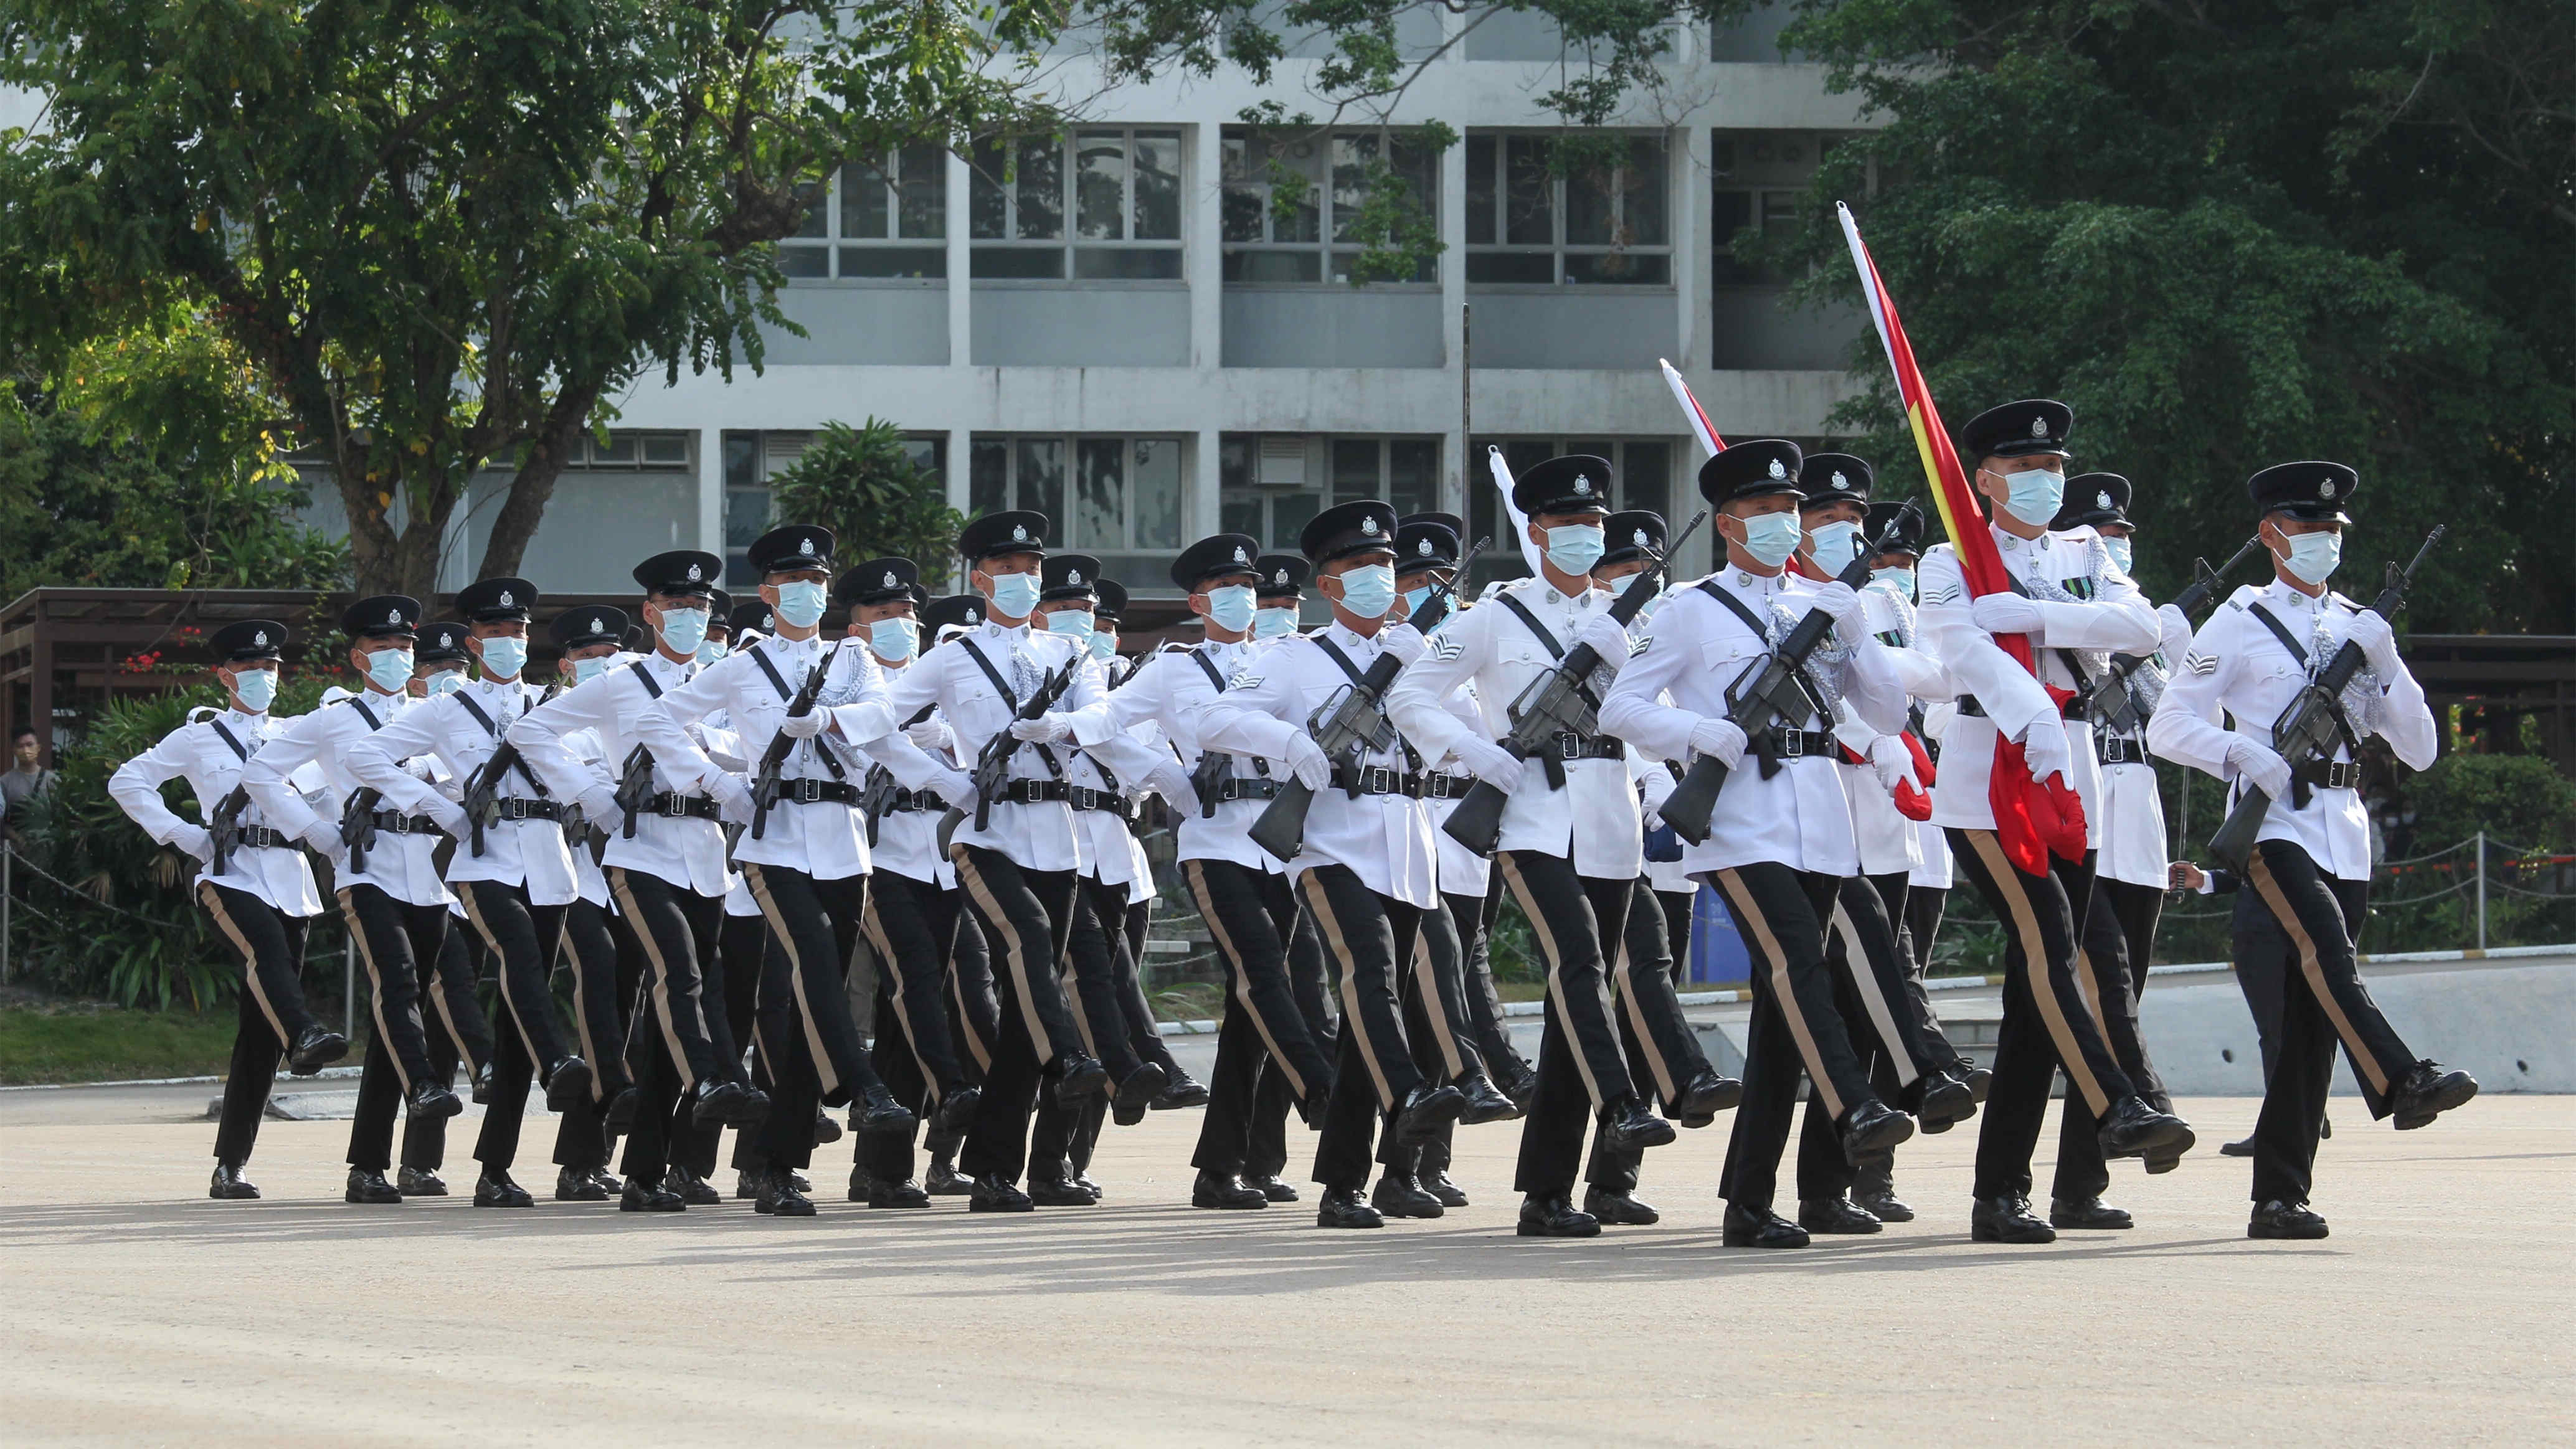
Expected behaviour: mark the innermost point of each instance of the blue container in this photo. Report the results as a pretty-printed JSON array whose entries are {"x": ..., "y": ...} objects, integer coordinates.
[{"x": 1718, "y": 957}]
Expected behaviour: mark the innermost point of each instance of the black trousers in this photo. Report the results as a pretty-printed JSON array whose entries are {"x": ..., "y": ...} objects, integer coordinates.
[
  {"x": 525, "y": 938},
  {"x": 1780, "y": 913},
  {"x": 1252, "y": 914},
  {"x": 1581, "y": 1067},
  {"x": 1266, "y": 1141},
  {"x": 911, "y": 930},
  {"x": 1923, "y": 907},
  {"x": 399, "y": 944},
  {"x": 679, "y": 1019},
  {"x": 732, "y": 989},
  {"x": 1662, "y": 1048},
  {"x": 804, "y": 1030},
  {"x": 273, "y": 1013},
  {"x": 1881, "y": 997},
  {"x": 1438, "y": 1029},
  {"x": 2110, "y": 970},
  {"x": 1100, "y": 985},
  {"x": 1366, "y": 939},
  {"x": 2047, "y": 1024},
  {"x": 2322, "y": 1004},
  {"x": 599, "y": 1025},
  {"x": 1677, "y": 907},
  {"x": 1027, "y": 918},
  {"x": 1473, "y": 915},
  {"x": 1142, "y": 1028},
  {"x": 2260, "y": 951}
]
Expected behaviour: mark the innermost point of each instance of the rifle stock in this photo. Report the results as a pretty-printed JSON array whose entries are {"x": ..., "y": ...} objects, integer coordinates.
[
  {"x": 223, "y": 831},
  {"x": 764, "y": 788}
]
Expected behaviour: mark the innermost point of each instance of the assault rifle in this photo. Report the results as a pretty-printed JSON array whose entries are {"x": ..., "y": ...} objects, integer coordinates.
[
  {"x": 358, "y": 825},
  {"x": 481, "y": 803},
  {"x": 1556, "y": 704},
  {"x": 2110, "y": 705},
  {"x": 1352, "y": 720},
  {"x": 223, "y": 828},
  {"x": 2308, "y": 731},
  {"x": 992, "y": 774},
  {"x": 1772, "y": 694},
  {"x": 765, "y": 782}
]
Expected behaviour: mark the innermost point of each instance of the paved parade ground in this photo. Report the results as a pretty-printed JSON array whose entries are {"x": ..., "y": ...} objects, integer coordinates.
[{"x": 133, "y": 1310}]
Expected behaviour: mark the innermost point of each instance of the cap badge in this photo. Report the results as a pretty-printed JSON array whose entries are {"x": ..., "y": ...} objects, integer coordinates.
[
  {"x": 1841, "y": 482},
  {"x": 393, "y": 616},
  {"x": 1640, "y": 537},
  {"x": 1238, "y": 554},
  {"x": 2326, "y": 488},
  {"x": 1582, "y": 486},
  {"x": 1019, "y": 533},
  {"x": 1368, "y": 525},
  {"x": 1422, "y": 547},
  {"x": 259, "y": 639},
  {"x": 1280, "y": 577},
  {"x": 805, "y": 546},
  {"x": 1777, "y": 471},
  {"x": 1073, "y": 576},
  {"x": 693, "y": 574},
  {"x": 2039, "y": 427},
  {"x": 599, "y": 626},
  {"x": 2102, "y": 499},
  {"x": 506, "y": 601}
]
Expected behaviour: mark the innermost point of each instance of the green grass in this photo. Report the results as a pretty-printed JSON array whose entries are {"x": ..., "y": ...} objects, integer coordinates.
[{"x": 87, "y": 1043}]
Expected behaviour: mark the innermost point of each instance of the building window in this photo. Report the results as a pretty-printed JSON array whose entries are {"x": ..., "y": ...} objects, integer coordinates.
[
  {"x": 1273, "y": 484},
  {"x": 1641, "y": 471},
  {"x": 631, "y": 450},
  {"x": 1605, "y": 221},
  {"x": 872, "y": 220},
  {"x": 751, "y": 460},
  {"x": 1100, "y": 495},
  {"x": 1097, "y": 205},
  {"x": 1295, "y": 201}
]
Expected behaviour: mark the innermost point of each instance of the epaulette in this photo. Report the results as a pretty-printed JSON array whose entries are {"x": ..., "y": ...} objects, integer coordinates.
[{"x": 201, "y": 713}]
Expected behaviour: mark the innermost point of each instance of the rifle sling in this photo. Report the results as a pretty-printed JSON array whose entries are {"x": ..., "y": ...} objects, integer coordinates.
[
  {"x": 493, "y": 728},
  {"x": 777, "y": 681},
  {"x": 1555, "y": 650},
  {"x": 1765, "y": 742},
  {"x": 1002, "y": 687},
  {"x": 1333, "y": 651},
  {"x": 2334, "y": 706},
  {"x": 1217, "y": 682}
]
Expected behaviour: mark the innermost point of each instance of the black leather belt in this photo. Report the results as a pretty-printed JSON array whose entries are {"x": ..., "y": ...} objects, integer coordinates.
[
  {"x": 1377, "y": 780},
  {"x": 260, "y": 837},
  {"x": 2072, "y": 707},
  {"x": 2330, "y": 775},
  {"x": 1246, "y": 787},
  {"x": 1034, "y": 792},
  {"x": 520, "y": 807},
  {"x": 2119, "y": 750},
  {"x": 817, "y": 792},
  {"x": 1570, "y": 746},
  {"x": 672, "y": 805},
  {"x": 904, "y": 801},
  {"x": 394, "y": 823},
  {"x": 1083, "y": 797},
  {"x": 1450, "y": 787},
  {"x": 1791, "y": 744}
]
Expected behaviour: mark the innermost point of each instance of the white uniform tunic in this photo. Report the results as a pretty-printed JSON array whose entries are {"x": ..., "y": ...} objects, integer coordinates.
[
  {"x": 2238, "y": 665},
  {"x": 403, "y": 866},
  {"x": 515, "y": 852},
  {"x": 1593, "y": 822},
  {"x": 686, "y": 851},
  {"x": 2133, "y": 826},
  {"x": 2085, "y": 604},
  {"x": 1041, "y": 835},
  {"x": 1170, "y": 689},
  {"x": 1888, "y": 840},
  {"x": 279, "y": 875},
  {"x": 908, "y": 840}
]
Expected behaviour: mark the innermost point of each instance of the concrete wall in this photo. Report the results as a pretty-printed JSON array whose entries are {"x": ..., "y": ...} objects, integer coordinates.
[
  {"x": 1332, "y": 327},
  {"x": 2510, "y": 1025},
  {"x": 1081, "y": 324},
  {"x": 1753, "y": 327},
  {"x": 1590, "y": 327},
  {"x": 886, "y": 323}
]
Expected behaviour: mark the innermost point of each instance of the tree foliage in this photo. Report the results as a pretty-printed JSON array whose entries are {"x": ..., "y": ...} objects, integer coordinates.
[{"x": 863, "y": 484}]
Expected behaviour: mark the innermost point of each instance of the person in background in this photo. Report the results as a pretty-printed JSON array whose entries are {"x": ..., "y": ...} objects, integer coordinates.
[{"x": 25, "y": 779}]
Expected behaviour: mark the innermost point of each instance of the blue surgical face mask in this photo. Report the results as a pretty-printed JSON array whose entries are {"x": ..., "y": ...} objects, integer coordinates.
[
  {"x": 1014, "y": 596},
  {"x": 1369, "y": 590},
  {"x": 1271, "y": 623},
  {"x": 800, "y": 603},
  {"x": 1901, "y": 580},
  {"x": 1834, "y": 546},
  {"x": 389, "y": 669},
  {"x": 713, "y": 650},
  {"x": 1575, "y": 548},
  {"x": 2313, "y": 556},
  {"x": 1232, "y": 608},
  {"x": 257, "y": 689},
  {"x": 683, "y": 630},
  {"x": 894, "y": 639},
  {"x": 586, "y": 670},
  {"x": 2035, "y": 495},
  {"x": 1772, "y": 537},
  {"x": 2118, "y": 548},
  {"x": 1104, "y": 643},
  {"x": 503, "y": 658},
  {"x": 1414, "y": 599},
  {"x": 1074, "y": 624},
  {"x": 446, "y": 681}
]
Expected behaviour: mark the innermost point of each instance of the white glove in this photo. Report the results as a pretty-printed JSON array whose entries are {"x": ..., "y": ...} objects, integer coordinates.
[
  {"x": 598, "y": 805},
  {"x": 696, "y": 731},
  {"x": 1607, "y": 640},
  {"x": 2045, "y": 750},
  {"x": 731, "y": 795},
  {"x": 2258, "y": 765},
  {"x": 1721, "y": 740},
  {"x": 1892, "y": 762},
  {"x": 1307, "y": 762},
  {"x": 956, "y": 787},
  {"x": 194, "y": 840},
  {"x": 451, "y": 818},
  {"x": 1841, "y": 603},
  {"x": 2378, "y": 642},
  {"x": 1489, "y": 762},
  {"x": 1404, "y": 642},
  {"x": 1652, "y": 788},
  {"x": 1173, "y": 783},
  {"x": 2004, "y": 613},
  {"x": 2176, "y": 630},
  {"x": 930, "y": 734},
  {"x": 804, "y": 726},
  {"x": 1046, "y": 729}
]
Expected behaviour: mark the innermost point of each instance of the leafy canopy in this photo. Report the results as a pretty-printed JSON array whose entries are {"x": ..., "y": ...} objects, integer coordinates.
[{"x": 863, "y": 484}]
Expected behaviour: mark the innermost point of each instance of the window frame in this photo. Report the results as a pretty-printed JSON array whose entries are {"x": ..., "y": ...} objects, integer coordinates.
[
  {"x": 830, "y": 197},
  {"x": 1558, "y": 249},
  {"x": 1061, "y": 519},
  {"x": 1069, "y": 244},
  {"x": 1237, "y": 178},
  {"x": 1241, "y": 453},
  {"x": 1485, "y": 515}
]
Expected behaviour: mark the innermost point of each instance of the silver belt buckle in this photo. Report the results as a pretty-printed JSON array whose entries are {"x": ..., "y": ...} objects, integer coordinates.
[{"x": 1793, "y": 744}]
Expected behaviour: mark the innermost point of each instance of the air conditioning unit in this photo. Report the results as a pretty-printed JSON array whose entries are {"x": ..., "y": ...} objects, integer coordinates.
[{"x": 1282, "y": 463}]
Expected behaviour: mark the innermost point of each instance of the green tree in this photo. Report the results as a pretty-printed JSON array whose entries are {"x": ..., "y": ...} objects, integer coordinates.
[
  {"x": 863, "y": 484},
  {"x": 450, "y": 235}
]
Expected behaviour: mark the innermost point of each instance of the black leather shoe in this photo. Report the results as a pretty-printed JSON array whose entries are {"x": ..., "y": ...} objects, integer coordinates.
[
  {"x": 316, "y": 1047},
  {"x": 1224, "y": 1190},
  {"x": 1083, "y": 1180},
  {"x": 638, "y": 1197},
  {"x": 1626, "y": 1126},
  {"x": 1745, "y": 1228},
  {"x": 800, "y": 1182},
  {"x": 495, "y": 1189},
  {"x": 944, "y": 1180},
  {"x": 1706, "y": 1095},
  {"x": 482, "y": 1085},
  {"x": 877, "y": 1112},
  {"x": 1871, "y": 1130},
  {"x": 862, "y": 1183},
  {"x": 621, "y": 1113},
  {"x": 609, "y": 1183},
  {"x": 1523, "y": 1090},
  {"x": 2426, "y": 1093},
  {"x": 228, "y": 1184},
  {"x": 731, "y": 1104},
  {"x": 1059, "y": 1192},
  {"x": 1136, "y": 1094},
  {"x": 1399, "y": 1196},
  {"x": 779, "y": 1197},
  {"x": 2087, "y": 1212},
  {"x": 1947, "y": 1102},
  {"x": 746, "y": 1185},
  {"x": 429, "y": 1100},
  {"x": 1342, "y": 1207},
  {"x": 2288, "y": 1220},
  {"x": 419, "y": 1182},
  {"x": 1273, "y": 1188},
  {"x": 2133, "y": 1129},
  {"x": 568, "y": 1084},
  {"x": 694, "y": 1190},
  {"x": 1553, "y": 1215},
  {"x": 1485, "y": 1102},
  {"x": 956, "y": 1111},
  {"x": 1874, "y": 1189},
  {"x": 1426, "y": 1109},
  {"x": 1438, "y": 1185},
  {"x": 1083, "y": 1077},
  {"x": 1840, "y": 1216},
  {"x": 572, "y": 1186},
  {"x": 1184, "y": 1091},
  {"x": 827, "y": 1129},
  {"x": 1619, "y": 1209},
  {"x": 904, "y": 1194},
  {"x": 2244, "y": 1148},
  {"x": 366, "y": 1185},
  {"x": 1979, "y": 1080},
  {"x": 993, "y": 1193},
  {"x": 2007, "y": 1220},
  {"x": 2167, "y": 1158}
]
